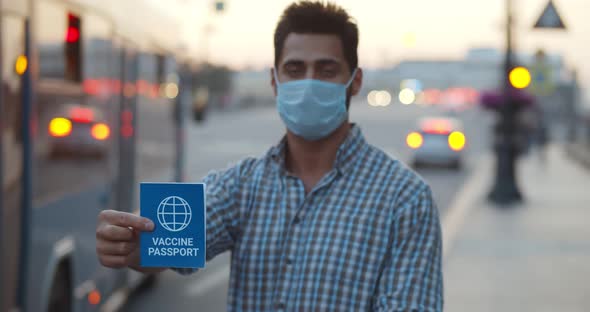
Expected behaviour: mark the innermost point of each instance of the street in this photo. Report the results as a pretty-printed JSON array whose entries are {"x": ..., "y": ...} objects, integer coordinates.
[{"x": 229, "y": 136}]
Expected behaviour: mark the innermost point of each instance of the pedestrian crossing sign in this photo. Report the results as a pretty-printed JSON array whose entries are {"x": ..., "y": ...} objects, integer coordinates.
[{"x": 550, "y": 18}]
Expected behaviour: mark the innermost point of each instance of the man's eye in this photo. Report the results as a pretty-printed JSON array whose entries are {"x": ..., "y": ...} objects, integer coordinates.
[{"x": 293, "y": 71}]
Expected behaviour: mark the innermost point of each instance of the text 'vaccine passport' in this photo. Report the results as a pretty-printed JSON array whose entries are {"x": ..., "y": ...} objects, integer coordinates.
[{"x": 178, "y": 213}]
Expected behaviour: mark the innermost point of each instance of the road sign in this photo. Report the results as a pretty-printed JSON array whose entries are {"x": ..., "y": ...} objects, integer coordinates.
[
  {"x": 542, "y": 79},
  {"x": 550, "y": 18},
  {"x": 219, "y": 6}
]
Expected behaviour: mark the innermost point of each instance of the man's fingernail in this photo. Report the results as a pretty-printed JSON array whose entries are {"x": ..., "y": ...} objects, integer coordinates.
[{"x": 149, "y": 225}]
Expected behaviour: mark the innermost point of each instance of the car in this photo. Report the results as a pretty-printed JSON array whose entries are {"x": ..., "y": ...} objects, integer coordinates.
[
  {"x": 78, "y": 131},
  {"x": 437, "y": 141}
]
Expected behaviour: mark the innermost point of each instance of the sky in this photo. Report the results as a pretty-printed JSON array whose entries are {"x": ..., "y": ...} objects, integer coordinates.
[{"x": 390, "y": 30}]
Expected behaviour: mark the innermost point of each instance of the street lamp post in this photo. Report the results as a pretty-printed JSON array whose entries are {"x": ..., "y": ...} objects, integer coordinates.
[
  {"x": 505, "y": 190},
  {"x": 218, "y": 8}
]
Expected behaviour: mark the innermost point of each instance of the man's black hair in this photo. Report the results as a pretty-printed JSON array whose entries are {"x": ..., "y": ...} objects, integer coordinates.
[{"x": 315, "y": 17}]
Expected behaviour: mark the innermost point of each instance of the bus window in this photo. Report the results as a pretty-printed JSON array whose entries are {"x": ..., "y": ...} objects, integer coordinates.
[
  {"x": 155, "y": 122},
  {"x": 11, "y": 159},
  {"x": 51, "y": 26},
  {"x": 59, "y": 42},
  {"x": 75, "y": 128}
]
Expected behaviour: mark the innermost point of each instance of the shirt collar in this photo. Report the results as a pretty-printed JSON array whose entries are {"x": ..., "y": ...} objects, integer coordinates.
[{"x": 347, "y": 153}]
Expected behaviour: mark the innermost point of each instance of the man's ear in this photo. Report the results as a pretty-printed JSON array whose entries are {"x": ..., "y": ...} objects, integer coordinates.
[
  {"x": 357, "y": 82},
  {"x": 273, "y": 82}
]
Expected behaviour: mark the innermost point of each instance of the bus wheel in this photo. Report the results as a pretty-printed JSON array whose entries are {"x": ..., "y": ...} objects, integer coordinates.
[
  {"x": 60, "y": 298},
  {"x": 148, "y": 283}
]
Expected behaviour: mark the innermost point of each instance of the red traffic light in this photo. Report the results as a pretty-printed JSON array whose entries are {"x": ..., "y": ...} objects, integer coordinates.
[
  {"x": 72, "y": 35},
  {"x": 73, "y": 31}
]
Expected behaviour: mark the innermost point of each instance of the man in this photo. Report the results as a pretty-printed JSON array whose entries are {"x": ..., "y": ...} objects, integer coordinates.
[{"x": 324, "y": 221}]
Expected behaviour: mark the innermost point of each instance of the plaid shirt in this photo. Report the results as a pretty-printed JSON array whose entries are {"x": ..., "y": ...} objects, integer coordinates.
[{"x": 366, "y": 238}]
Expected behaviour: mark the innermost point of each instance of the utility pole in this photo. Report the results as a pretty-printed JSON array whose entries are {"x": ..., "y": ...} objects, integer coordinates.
[{"x": 505, "y": 190}]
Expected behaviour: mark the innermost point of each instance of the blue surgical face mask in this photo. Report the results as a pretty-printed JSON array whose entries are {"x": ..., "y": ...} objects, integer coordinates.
[{"x": 310, "y": 108}]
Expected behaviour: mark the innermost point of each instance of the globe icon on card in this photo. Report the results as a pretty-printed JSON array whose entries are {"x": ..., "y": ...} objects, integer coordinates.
[{"x": 174, "y": 213}]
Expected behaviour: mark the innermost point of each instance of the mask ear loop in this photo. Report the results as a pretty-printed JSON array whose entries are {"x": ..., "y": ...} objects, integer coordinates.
[
  {"x": 351, "y": 78},
  {"x": 274, "y": 72},
  {"x": 350, "y": 82}
]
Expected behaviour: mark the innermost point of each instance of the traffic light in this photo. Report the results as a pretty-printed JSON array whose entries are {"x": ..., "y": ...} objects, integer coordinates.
[
  {"x": 73, "y": 49},
  {"x": 73, "y": 32},
  {"x": 21, "y": 64},
  {"x": 520, "y": 77}
]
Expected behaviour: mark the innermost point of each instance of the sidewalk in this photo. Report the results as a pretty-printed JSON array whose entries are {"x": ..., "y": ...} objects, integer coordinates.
[
  {"x": 531, "y": 257},
  {"x": 580, "y": 152}
]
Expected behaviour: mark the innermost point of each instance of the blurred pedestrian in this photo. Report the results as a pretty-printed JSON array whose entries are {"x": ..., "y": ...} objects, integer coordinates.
[
  {"x": 542, "y": 138},
  {"x": 323, "y": 221}
]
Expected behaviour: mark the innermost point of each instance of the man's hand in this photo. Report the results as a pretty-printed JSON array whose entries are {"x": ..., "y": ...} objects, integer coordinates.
[{"x": 117, "y": 238}]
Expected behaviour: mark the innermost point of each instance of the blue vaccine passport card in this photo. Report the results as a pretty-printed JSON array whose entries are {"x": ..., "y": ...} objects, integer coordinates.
[{"x": 178, "y": 213}]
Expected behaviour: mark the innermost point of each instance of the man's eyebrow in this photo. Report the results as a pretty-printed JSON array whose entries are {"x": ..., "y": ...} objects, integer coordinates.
[
  {"x": 293, "y": 62},
  {"x": 324, "y": 62}
]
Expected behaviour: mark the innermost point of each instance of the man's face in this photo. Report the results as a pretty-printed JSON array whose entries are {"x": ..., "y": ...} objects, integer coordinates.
[{"x": 315, "y": 56}]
